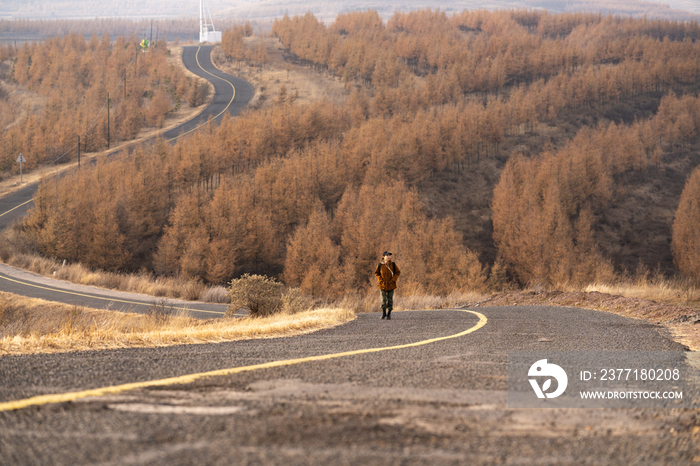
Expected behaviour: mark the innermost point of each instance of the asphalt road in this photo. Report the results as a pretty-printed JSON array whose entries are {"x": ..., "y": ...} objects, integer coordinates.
[
  {"x": 231, "y": 95},
  {"x": 24, "y": 283},
  {"x": 443, "y": 402}
]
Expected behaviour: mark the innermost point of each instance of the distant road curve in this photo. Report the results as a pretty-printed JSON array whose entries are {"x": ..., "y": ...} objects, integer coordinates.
[
  {"x": 23, "y": 283},
  {"x": 231, "y": 95}
]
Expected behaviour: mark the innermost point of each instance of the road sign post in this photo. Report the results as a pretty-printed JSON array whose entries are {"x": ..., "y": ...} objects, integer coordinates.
[{"x": 20, "y": 159}]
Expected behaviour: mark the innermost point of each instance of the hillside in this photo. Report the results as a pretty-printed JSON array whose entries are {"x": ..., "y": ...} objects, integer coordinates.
[
  {"x": 633, "y": 231},
  {"x": 43, "y": 83},
  {"x": 525, "y": 147}
]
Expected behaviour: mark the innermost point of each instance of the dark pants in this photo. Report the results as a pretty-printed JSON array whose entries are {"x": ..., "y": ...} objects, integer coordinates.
[{"x": 387, "y": 300}]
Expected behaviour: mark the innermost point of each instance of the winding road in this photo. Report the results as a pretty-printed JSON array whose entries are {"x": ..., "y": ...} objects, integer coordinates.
[
  {"x": 231, "y": 95},
  {"x": 426, "y": 388}
]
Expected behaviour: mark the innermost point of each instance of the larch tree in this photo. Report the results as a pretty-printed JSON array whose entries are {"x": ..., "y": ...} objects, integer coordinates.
[
  {"x": 313, "y": 259},
  {"x": 686, "y": 234}
]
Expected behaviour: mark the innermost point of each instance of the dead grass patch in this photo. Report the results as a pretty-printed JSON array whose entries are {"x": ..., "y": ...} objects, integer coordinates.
[
  {"x": 37, "y": 326},
  {"x": 667, "y": 291}
]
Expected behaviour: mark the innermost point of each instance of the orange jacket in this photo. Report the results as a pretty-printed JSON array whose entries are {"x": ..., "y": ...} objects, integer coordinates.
[{"x": 386, "y": 275}]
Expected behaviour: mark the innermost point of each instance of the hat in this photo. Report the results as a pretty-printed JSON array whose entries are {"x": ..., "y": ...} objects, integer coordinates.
[{"x": 386, "y": 253}]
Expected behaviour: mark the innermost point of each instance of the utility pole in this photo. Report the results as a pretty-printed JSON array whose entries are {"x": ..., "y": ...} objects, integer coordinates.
[{"x": 78, "y": 151}]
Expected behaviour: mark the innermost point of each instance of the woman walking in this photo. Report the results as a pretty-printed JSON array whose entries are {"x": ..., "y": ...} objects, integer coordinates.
[{"x": 387, "y": 272}]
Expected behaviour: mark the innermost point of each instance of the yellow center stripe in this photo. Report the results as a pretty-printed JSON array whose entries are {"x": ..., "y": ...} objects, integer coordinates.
[
  {"x": 223, "y": 111},
  {"x": 17, "y": 207},
  {"x": 64, "y": 397}
]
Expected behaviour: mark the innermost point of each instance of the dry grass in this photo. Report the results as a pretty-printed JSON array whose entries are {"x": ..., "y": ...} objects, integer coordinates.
[
  {"x": 667, "y": 291},
  {"x": 37, "y": 326},
  {"x": 140, "y": 283},
  {"x": 308, "y": 84}
]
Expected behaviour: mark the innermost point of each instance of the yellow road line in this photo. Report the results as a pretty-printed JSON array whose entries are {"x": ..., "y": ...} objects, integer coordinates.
[
  {"x": 223, "y": 111},
  {"x": 64, "y": 397},
  {"x": 111, "y": 300},
  {"x": 17, "y": 207}
]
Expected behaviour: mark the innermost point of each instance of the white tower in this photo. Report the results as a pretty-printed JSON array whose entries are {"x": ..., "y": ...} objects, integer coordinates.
[{"x": 207, "y": 31}]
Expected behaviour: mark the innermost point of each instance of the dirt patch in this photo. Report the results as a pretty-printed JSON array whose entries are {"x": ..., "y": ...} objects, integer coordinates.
[
  {"x": 682, "y": 322},
  {"x": 282, "y": 71}
]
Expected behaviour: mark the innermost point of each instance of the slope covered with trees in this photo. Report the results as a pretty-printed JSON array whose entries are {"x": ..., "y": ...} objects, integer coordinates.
[
  {"x": 544, "y": 208},
  {"x": 572, "y": 109},
  {"x": 73, "y": 78}
]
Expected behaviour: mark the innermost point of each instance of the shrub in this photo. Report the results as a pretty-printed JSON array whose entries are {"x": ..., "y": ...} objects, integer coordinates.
[{"x": 261, "y": 295}]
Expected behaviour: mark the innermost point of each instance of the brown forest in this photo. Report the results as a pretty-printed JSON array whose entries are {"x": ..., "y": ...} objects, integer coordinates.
[
  {"x": 73, "y": 78},
  {"x": 570, "y": 112}
]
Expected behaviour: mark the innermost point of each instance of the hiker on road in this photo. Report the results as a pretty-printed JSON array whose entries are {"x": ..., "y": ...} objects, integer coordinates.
[{"x": 387, "y": 272}]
